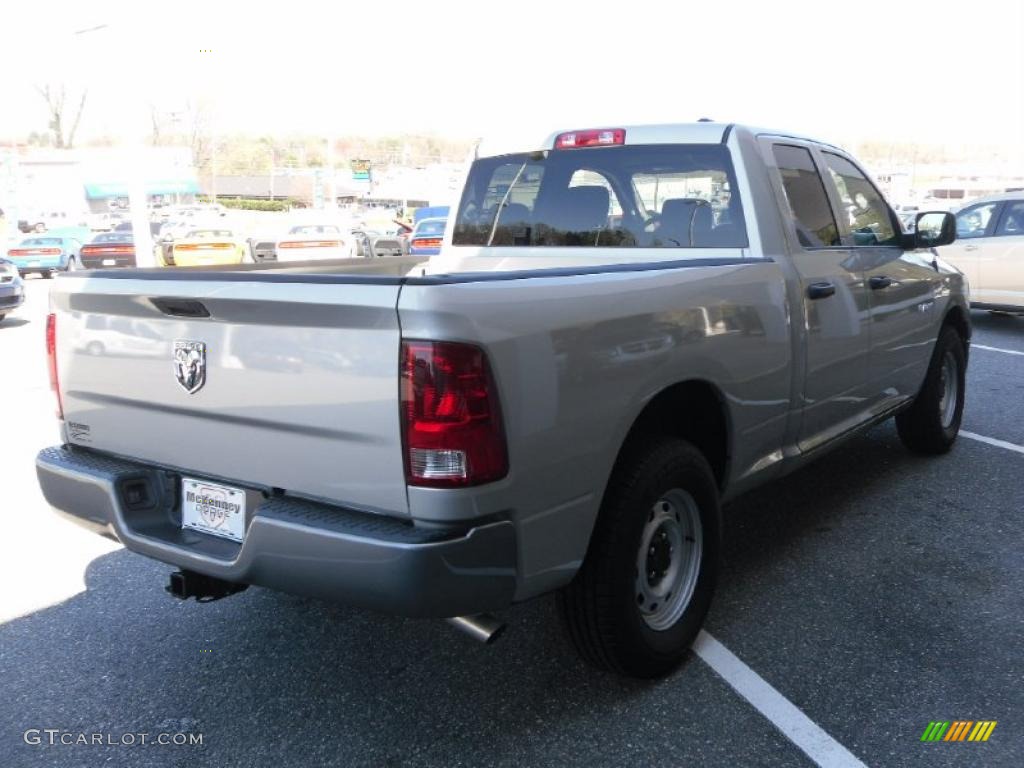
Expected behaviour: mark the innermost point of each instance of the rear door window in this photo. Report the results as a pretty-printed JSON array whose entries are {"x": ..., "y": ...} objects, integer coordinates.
[
  {"x": 638, "y": 196},
  {"x": 809, "y": 207},
  {"x": 1011, "y": 224}
]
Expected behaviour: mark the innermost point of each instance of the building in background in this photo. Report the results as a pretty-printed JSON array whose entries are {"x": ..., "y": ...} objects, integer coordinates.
[{"x": 95, "y": 180}]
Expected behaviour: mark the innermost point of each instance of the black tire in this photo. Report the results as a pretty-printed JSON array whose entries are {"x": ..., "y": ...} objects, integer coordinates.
[
  {"x": 46, "y": 275},
  {"x": 927, "y": 427},
  {"x": 2, "y": 316},
  {"x": 600, "y": 607}
]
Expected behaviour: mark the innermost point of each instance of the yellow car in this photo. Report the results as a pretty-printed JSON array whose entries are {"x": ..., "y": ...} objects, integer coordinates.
[{"x": 202, "y": 247}]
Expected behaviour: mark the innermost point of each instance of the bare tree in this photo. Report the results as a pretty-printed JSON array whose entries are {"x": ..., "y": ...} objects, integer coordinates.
[
  {"x": 199, "y": 137},
  {"x": 156, "y": 121},
  {"x": 56, "y": 98}
]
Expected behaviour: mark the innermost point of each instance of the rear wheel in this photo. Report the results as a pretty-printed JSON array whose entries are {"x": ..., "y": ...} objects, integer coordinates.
[
  {"x": 646, "y": 583},
  {"x": 2, "y": 318},
  {"x": 931, "y": 424},
  {"x": 46, "y": 275}
]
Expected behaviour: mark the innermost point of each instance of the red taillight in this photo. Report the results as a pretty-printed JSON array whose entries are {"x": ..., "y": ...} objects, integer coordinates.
[
  {"x": 88, "y": 250},
  {"x": 605, "y": 137},
  {"x": 426, "y": 242},
  {"x": 51, "y": 357},
  {"x": 203, "y": 246},
  {"x": 34, "y": 252},
  {"x": 451, "y": 420}
]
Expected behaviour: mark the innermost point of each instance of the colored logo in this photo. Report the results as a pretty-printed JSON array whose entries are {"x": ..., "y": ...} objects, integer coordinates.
[{"x": 958, "y": 730}]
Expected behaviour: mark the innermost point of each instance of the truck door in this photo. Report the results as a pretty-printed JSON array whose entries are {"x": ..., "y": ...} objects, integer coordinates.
[
  {"x": 834, "y": 309},
  {"x": 901, "y": 285}
]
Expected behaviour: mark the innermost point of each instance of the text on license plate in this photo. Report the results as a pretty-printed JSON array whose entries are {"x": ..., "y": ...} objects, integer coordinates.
[
  {"x": 212, "y": 508},
  {"x": 109, "y": 262}
]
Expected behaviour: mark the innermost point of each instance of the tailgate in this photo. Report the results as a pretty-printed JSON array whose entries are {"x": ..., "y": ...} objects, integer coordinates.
[{"x": 299, "y": 391}]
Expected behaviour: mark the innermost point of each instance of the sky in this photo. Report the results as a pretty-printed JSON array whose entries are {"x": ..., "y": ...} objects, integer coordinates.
[{"x": 933, "y": 72}]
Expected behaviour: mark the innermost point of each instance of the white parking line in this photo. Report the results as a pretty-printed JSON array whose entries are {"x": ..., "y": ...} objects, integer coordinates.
[
  {"x": 992, "y": 441},
  {"x": 997, "y": 349},
  {"x": 780, "y": 712}
]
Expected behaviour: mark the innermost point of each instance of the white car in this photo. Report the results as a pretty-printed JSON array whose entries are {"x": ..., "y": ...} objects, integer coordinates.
[
  {"x": 306, "y": 242},
  {"x": 989, "y": 249}
]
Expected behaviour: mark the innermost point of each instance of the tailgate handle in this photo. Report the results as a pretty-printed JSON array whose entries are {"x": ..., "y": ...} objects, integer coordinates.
[{"x": 180, "y": 307}]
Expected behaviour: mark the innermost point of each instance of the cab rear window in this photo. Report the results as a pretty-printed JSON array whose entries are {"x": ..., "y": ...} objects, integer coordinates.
[{"x": 647, "y": 196}]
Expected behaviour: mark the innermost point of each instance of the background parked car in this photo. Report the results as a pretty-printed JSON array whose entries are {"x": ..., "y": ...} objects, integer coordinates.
[
  {"x": 372, "y": 243},
  {"x": 989, "y": 249},
  {"x": 48, "y": 220},
  {"x": 109, "y": 249},
  {"x": 315, "y": 241},
  {"x": 427, "y": 237},
  {"x": 154, "y": 227},
  {"x": 45, "y": 255},
  {"x": 12, "y": 291},
  {"x": 202, "y": 247}
]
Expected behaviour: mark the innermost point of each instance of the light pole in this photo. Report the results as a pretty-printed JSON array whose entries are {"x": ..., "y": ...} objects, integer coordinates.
[{"x": 134, "y": 175}]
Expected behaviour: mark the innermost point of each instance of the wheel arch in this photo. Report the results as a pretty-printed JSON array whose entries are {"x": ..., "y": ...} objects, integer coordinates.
[
  {"x": 694, "y": 410},
  {"x": 956, "y": 316}
]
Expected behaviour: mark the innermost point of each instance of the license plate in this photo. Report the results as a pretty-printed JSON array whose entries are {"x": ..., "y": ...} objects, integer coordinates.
[
  {"x": 218, "y": 510},
  {"x": 109, "y": 262}
]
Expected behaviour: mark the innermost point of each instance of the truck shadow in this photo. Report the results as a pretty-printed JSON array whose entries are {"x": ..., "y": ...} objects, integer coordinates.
[{"x": 263, "y": 673}]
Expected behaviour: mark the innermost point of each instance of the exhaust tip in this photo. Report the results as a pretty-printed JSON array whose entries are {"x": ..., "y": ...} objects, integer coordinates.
[{"x": 482, "y": 627}]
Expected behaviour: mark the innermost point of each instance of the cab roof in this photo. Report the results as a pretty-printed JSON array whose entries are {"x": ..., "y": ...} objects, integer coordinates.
[{"x": 704, "y": 132}]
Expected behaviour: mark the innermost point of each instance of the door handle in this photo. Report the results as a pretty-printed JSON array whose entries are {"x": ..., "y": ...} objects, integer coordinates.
[
  {"x": 820, "y": 290},
  {"x": 971, "y": 247},
  {"x": 875, "y": 282},
  {"x": 180, "y": 307}
]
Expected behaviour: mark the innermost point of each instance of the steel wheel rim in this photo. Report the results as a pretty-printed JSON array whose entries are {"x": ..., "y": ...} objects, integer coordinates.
[
  {"x": 950, "y": 384},
  {"x": 669, "y": 558}
]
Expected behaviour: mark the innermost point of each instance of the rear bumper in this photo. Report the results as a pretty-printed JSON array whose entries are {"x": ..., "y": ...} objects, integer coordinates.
[
  {"x": 96, "y": 262},
  {"x": 303, "y": 547},
  {"x": 39, "y": 265}
]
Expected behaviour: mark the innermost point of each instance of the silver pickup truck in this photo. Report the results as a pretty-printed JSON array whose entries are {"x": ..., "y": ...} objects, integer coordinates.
[{"x": 624, "y": 328}]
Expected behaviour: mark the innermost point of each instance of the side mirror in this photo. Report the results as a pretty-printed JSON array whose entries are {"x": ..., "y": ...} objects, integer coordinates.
[{"x": 934, "y": 228}]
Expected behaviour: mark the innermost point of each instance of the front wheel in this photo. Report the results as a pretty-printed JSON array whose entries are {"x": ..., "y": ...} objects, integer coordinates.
[
  {"x": 646, "y": 583},
  {"x": 931, "y": 424}
]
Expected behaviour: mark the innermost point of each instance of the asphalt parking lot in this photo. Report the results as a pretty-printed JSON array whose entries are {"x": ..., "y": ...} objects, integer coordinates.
[{"x": 874, "y": 591}]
